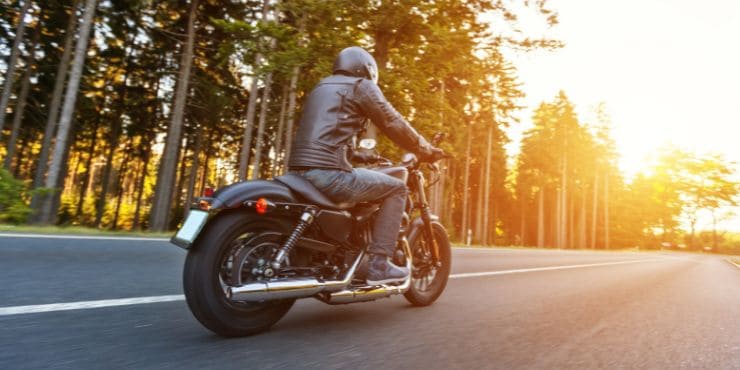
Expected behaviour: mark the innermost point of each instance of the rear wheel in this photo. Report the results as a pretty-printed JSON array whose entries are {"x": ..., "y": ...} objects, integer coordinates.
[
  {"x": 428, "y": 280},
  {"x": 234, "y": 249}
]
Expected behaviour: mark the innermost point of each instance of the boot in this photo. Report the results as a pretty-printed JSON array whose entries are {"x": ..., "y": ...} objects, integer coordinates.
[{"x": 382, "y": 271}]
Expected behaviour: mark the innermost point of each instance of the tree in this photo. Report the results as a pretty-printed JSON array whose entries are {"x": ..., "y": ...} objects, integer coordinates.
[
  {"x": 56, "y": 100},
  {"x": 12, "y": 61},
  {"x": 20, "y": 106},
  {"x": 706, "y": 185},
  {"x": 168, "y": 166},
  {"x": 48, "y": 212}
]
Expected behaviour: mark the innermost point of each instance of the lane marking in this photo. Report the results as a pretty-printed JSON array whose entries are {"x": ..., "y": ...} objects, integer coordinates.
[
  {"x": 20, "y": 310},
  {"x": 732, "y": 262},
  {"x": 549, "y": 268},
  {"x": 81, "y": 237},
  {"x": 84, "y": 305}
]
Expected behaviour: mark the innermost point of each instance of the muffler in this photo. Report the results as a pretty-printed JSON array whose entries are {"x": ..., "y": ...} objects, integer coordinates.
[
  {"x": 290, "y": 288},
  {"x": 332, "y": 292},
  {"x": 366, "y": 293}
]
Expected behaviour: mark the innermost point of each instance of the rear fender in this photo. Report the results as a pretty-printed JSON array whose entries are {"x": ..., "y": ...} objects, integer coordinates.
[
  {"x": 234, "y": 196},
  {"x": 229, "y": 199}
]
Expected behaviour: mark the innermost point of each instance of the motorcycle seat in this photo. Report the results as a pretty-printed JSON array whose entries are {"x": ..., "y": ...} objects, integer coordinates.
[{"x": 305, "y": 189}]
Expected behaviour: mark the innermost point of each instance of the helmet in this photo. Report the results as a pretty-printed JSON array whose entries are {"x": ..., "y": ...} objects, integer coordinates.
[{"x": 356, "y": 61}]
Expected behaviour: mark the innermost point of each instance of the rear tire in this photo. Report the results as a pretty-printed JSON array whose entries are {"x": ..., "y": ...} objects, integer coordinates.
[
  {"x": 425, "y": 292},
  {"x": 203, "y": 276}
]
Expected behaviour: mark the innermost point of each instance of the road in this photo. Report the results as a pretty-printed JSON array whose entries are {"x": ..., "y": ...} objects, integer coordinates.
[{"x": 504, "y": 308}]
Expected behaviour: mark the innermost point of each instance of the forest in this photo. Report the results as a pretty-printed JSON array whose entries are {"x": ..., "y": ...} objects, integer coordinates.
[{"x": 118, "y": 114}]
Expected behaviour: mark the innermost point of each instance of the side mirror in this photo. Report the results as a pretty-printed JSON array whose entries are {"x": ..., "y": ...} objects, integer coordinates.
[{"x": 368, "y": 143}]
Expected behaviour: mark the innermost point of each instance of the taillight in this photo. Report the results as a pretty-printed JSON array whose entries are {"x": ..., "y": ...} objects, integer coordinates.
[
  {"x": 208, "y": 192},
  {"x": 261, "y": 206}
]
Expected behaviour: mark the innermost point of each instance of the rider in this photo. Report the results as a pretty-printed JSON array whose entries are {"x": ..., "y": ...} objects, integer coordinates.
[{"x": 336, "y": 111}]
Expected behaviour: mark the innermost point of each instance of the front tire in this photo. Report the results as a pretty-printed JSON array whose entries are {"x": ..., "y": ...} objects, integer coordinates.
[
  {"x": 428, "y": 282},
  {"x": 204, "y": 277}
]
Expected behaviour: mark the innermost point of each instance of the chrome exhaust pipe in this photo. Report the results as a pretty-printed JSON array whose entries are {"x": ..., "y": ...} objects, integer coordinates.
[
  {"x": 366, "y": 293},
  {"x": 290, "y": 288}
]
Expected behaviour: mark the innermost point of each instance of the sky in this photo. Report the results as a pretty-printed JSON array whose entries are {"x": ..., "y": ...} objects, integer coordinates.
[{"x": 668, "y": 72}]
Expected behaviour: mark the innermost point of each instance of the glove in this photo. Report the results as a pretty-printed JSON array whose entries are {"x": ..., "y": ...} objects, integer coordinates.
[{"x": 433, "y": 155}]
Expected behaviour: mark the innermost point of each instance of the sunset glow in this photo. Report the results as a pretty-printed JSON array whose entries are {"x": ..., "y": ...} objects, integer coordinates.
[{"x": 667, "y": 71}]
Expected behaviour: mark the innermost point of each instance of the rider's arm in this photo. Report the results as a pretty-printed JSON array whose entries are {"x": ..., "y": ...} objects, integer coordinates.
[{"x": 388, "y": 120}]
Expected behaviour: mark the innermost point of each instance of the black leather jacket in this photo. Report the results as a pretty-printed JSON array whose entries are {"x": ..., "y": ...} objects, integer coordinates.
[{"x": 337, "y": 109}]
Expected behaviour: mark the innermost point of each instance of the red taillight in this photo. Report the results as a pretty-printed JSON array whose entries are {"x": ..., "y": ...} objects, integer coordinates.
[
  {"x": 261, "y": 206},
  {"x": 208, "y": 192}
]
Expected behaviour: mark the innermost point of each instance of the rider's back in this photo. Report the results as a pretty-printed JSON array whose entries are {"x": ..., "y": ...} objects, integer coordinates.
[{"x": 335, "y": 111}]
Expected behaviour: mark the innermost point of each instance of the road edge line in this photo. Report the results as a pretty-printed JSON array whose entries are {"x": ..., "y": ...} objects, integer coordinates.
[
  {"x": 83, "y": 305},
  {"x": 547, "y": 268},
  {"x": 732, "y": 263},
  {"x": 82, "y": 237}
]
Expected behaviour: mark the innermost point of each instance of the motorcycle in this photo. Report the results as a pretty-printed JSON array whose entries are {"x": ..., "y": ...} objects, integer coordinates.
[{"x": 254, "y": 247}]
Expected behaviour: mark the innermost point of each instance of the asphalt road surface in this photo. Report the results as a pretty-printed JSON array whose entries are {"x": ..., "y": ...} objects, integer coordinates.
[{"x": 95, "y": 303}]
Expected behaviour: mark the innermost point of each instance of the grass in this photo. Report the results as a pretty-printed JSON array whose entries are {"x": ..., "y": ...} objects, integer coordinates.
[{"x": 77, "y": 230}]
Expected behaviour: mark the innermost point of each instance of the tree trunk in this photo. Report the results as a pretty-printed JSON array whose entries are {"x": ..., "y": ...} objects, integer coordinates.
[
  {"x": 606, "y": 211},
  {"x": 55, "y": 199},
  {"x": 487, "y": 189},
  {"x": 114, "y": 138},
  {"x": 119, "y": 195},
  {"x": 582, "y": 221},
  {"x": 166, "y": 176},
  {"x": 479, "y": 208},
  {"x": 140, "y": 185},
  {"x": 559, "y": 218},
  {"x": 522, "y": 221},
  {"x": 466, "y": 185},
  {"x": 291, "y": 116},
  {"x": 12, "y": 61},
  {"x": 88, "y": 167},
  {"x": 571, "y": 222},
  {"x": 20, "y": 105},
  {"x": 541, "y": 218},
  {"x": 177, "y": 194},
  {"x": 280, "y": 132},
  {"x": 248, "y": 128},
  {"x": 562, "y": 240},
  {"x": 56, "y": 100},
  {"x": 264, "y": 111},
  {"x": 204, "y": 177},
  {"x": 594, "y": 212},
  {"x": 48, "y": 212},
  {"x": 193, "y": 173},
  {"x": 244, "y": 159}
]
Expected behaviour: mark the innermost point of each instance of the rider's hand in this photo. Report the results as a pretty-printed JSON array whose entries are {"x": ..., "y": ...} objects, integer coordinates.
[{"x": 434, "y": 155}]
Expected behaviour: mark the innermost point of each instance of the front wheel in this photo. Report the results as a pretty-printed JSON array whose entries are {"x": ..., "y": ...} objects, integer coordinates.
[
  {"x": 231, "y": 247},
  {"x": 427, "y": 280}
]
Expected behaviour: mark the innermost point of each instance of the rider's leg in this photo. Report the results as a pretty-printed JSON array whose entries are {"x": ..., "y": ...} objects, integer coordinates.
[{"x": 363, "y": 185}]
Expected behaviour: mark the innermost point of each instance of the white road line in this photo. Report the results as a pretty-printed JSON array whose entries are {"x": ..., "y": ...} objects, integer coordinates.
[
  {"x": 20, "y": 310},
  {"x": 82, "y": 237},
  {"x": 550, "y": 268},
  {"x": 730, "y": 261}
]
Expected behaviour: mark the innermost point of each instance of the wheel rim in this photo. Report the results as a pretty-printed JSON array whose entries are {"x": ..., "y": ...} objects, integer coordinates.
[
  {"x": 424, "y": 274},
  {"x": 245, "y": 261}
]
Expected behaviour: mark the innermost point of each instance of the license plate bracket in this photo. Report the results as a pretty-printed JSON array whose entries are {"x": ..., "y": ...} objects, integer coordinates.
[{"x": 190, "y": 229}]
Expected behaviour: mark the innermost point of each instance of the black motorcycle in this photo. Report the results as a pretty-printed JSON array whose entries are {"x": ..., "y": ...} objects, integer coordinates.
[{"x": 255, "y": 247}]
